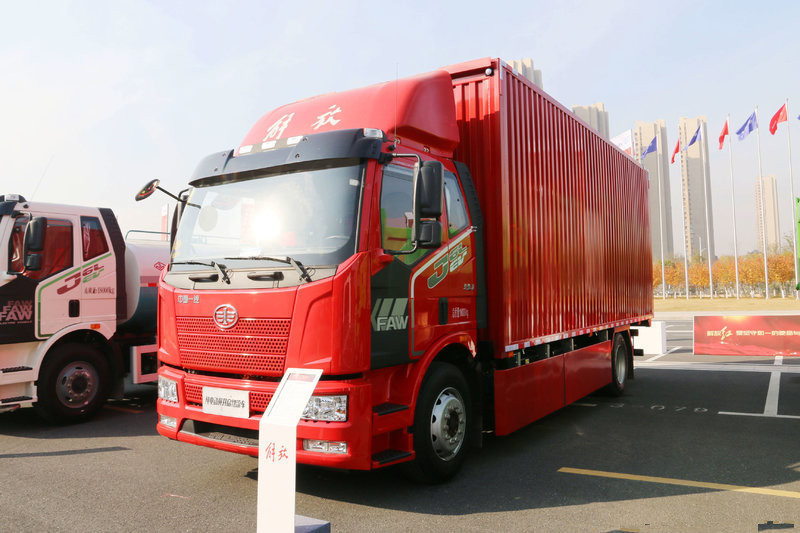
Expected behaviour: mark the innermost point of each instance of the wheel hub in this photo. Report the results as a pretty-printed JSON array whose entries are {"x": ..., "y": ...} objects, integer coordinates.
[
  {"x": 448, "y": 424},
  {"x": 77, "y": 384}
]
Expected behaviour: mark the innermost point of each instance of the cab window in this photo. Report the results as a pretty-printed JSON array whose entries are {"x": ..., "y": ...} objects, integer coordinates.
[
  {"x": 94, "y": 240},
  {"x": 56, "y": 253},
  {"x": 457, "y": 219},
  {"x": 397, "y": 215}
]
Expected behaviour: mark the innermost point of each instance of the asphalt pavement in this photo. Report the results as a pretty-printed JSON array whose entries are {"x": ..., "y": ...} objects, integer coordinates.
[{"x": 695, "y": 444}]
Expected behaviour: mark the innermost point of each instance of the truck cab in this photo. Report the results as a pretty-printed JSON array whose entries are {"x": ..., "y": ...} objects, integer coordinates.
[
  {"x": 348, "y": 250},
  {"x": 63, "y": 297}
]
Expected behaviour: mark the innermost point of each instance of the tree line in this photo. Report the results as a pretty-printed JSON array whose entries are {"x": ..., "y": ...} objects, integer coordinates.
[{"x": 780, "y": 268}]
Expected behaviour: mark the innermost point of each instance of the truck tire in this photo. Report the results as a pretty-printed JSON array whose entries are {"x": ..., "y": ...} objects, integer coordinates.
[
  {"x": 619, "y": 366},
  {"x": 441, "y": 425},
  {"x": 73, "y": 383}
]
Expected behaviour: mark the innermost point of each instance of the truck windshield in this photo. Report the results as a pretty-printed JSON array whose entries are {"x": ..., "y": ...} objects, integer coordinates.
[{"x": 308, "y": 215}]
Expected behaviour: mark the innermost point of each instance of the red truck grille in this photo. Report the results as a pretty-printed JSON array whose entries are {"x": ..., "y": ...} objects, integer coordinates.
[
  {"x": 253, "y": 346},
  {"x": 258, "y": 400}
]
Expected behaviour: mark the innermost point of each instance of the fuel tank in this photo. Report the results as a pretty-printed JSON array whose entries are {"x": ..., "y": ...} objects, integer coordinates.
[{"x": 144, "y": 261}]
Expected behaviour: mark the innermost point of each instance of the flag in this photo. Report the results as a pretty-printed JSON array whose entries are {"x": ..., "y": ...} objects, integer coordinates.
[
  {"x": 780, "y": 116},
  {"x": 723, "y": 134},
  {"x": 624, "y": 141},
  {"x": 695, "y": 137},
  {"x": 677, "y": 147},
  {"x": 749, "y": 125},
  {"x": 650, "y": 147}
]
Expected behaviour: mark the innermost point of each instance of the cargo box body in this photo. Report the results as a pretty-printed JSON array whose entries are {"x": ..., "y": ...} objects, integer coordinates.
[{"x": 566, "y": 219}]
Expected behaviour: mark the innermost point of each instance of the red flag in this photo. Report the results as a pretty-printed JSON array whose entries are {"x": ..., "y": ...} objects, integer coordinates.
[
  {"x": 677, "y": 147},
  {"x": 780, "y": 116},
  {"x": 723, "y": 134}
]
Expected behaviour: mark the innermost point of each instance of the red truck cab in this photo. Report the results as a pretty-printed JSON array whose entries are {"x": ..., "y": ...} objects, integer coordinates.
[{"x": 343, "y": 235}]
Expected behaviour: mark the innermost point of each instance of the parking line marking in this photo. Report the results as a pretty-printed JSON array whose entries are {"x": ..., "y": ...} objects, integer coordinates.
[
  {"x": 663, "y": 354},
  {"x": 771, "y": 406},
  {"x": 681, "y": 331},
  {"x": 581, "y": 404},
  {"x": 682, "y": 482}
]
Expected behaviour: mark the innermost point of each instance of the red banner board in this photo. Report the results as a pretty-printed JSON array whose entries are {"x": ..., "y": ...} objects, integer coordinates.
[{"x": 747, "y": 335}]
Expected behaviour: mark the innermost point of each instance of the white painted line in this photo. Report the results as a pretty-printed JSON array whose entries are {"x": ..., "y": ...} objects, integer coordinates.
[
  {"x": 662, "y": 355},
  {"x": 718, "y": 367},
  {"x": 771, "y": 407},
  {"x": 580, "y": 404},
  {"x": 760, "y": 415}
]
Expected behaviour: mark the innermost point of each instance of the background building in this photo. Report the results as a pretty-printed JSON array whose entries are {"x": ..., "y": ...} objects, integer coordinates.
[
  {"x": 770, "y": 188},
  {"x": 643, "y": 134},
  {"x": 595, "y": 116},
  {"x": 696, "y": 192},
  {"x": 525, "y": 67}
]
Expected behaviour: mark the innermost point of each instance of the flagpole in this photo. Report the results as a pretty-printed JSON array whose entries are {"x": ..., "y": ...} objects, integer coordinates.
[
  {"x": 763, "y": 213},
  {"x": 660, "y": 217},
  {"x": 684, "y": 199},
  {"x": 704, "y": 163},
  {"x": 733, "y": 205},
  {"x": 791, "y": 185}
]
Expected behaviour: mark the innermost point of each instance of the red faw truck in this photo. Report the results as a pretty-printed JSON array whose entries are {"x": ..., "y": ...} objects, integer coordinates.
[{"x": 456, "y": 251}]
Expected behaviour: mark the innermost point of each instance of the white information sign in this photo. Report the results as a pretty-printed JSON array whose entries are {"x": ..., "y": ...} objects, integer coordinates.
[
  {"x": 277, "y": 450},
  {"x": 226, "y": 402}
]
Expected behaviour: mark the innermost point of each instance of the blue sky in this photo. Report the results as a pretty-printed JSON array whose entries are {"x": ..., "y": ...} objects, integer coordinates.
[{"x": 99, "y": 97}]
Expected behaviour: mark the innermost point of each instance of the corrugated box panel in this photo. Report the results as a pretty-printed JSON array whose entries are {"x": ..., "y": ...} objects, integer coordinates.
[{"x": 567, "y": 223}]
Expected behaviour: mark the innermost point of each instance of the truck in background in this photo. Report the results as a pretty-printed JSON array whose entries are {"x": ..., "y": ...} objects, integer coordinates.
[
  {"x": 456, "y": 251},
  {"x": 77, "y": 308}
]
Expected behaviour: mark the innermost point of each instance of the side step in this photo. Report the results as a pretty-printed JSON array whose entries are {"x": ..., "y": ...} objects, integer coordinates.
[
  {"x": 15, "y": 399},
  {"x": 389, "y": 456},
  {"x": 15, "y": 369}
]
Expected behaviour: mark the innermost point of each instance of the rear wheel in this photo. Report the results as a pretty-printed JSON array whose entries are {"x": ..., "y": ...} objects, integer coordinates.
[
  {"x": 441, "y": 425},
  {"x": 619, "y": 366},
  {"x": 72, "y": 384}
]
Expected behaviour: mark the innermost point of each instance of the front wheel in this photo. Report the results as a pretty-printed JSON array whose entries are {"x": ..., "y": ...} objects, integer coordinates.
[
  {"x": 72, "y": 384},
  {"x": 441, "y": 425}
]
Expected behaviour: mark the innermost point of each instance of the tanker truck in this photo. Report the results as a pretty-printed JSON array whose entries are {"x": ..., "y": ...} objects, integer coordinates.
[{"x": 77, "y": 308}]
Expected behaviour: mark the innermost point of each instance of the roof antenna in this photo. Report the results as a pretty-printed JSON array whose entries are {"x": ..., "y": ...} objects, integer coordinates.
[{"x": 396, "y": 77}]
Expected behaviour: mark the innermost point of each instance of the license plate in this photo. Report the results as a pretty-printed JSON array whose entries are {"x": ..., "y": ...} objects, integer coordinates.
[{"x": 226, "y": 402}]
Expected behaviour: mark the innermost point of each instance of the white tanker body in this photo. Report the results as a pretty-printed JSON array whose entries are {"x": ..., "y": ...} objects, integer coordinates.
[{"x": 77, "y": 308}]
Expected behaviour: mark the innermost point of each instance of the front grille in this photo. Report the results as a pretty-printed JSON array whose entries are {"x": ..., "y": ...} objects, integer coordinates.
[
  {"x": 255, "y": 346},
  {"x": 258, "y": 400}
]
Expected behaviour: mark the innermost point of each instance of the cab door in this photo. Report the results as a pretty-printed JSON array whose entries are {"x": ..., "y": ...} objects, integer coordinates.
[
  {"x": 57, "y": 298},
  {"x": 40, "y": 256}
]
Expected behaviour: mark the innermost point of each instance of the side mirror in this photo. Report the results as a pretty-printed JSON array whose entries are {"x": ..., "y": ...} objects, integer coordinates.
[
  {"x": 147, "y": 190},
  {"x": 35, "y": 235},
  {"x": 430, "y": 234},
  {"x": 429, "y": 189},
  {"x": 33, "y": 262}
]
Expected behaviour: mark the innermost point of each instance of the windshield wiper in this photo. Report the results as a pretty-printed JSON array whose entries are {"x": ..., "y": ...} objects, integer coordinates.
[
  {"x": 285, "y": 260},
  {"x": 213, "y": 264}
]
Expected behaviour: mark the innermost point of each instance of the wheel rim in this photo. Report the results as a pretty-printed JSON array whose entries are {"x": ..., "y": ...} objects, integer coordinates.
[
  {"x": 76, "y": 386},
  {"x": 621, "y": 365},
  {"x": 448, "y": 424}
]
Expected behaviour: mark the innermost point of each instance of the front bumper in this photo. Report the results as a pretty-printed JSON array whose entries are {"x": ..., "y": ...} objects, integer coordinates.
[{"x": 240, "y": 435}]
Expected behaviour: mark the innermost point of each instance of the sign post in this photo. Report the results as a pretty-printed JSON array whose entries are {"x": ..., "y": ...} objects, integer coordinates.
[{"x": 277, "y": 453}]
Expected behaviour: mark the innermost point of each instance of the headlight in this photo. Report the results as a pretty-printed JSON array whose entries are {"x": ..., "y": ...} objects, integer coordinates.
[
  {"x": 327, "y": 408},
  {"x": 167, "y": 389}
]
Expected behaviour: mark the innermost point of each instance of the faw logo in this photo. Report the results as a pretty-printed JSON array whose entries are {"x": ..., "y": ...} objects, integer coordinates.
[
  {"x": 389, "y": 314},
  {"x": 88, "y": 274},
  {"x": 16, "y": 312}
]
